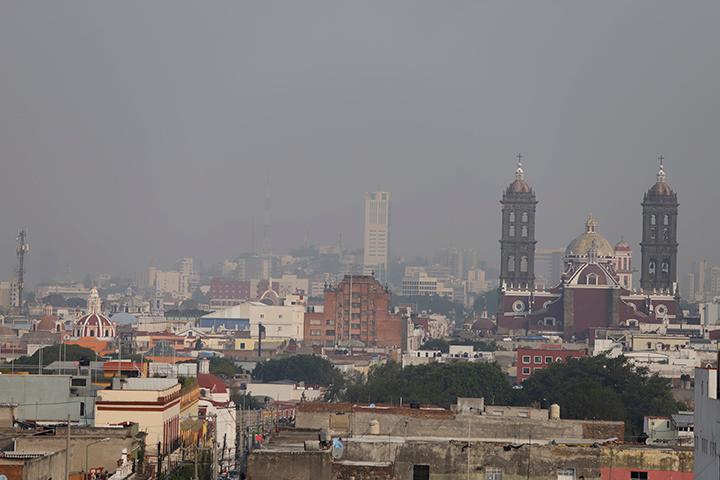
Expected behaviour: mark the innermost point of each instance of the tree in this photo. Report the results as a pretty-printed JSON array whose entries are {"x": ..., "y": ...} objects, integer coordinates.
[
  {"x": 223, "y": 367},
  {"x": 311, "y": 369},
  {"x": 601, "y": 388},
  {"x": 435, "y": 383},
  {"x": 71, "y": 353}
]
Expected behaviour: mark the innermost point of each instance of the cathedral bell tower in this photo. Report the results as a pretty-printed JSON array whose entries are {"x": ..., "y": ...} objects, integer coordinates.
[
  {"x": 659, "y": 238},
  {"x": 517, "y": 243}
]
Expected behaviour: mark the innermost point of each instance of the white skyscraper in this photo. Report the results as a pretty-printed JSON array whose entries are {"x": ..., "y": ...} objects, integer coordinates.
[{"x": 377, "y": 234}]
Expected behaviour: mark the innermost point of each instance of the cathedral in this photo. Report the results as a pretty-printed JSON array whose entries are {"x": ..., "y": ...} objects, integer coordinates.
[{"x": 595, "y": 291}]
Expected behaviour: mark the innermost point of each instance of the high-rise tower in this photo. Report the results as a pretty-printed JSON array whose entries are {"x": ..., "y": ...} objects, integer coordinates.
[
  {"x": 659, "y": 240},
  {"x": 517, "y": 244},
  {"x": 377, "y": 234}
]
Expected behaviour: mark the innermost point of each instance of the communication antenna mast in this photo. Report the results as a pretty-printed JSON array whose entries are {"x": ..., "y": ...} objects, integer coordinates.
[{"x": 22, "y": 249}]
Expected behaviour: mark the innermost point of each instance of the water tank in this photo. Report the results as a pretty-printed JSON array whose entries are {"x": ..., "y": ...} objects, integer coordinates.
[
  {"x": 374, "y": 427},
  {"x": 554, "y": 411}
]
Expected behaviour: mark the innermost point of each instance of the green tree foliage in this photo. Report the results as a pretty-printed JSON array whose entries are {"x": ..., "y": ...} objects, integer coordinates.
[
  {"x": 223, "y": 367},
  {"x": 435, "y": 383},
  {"x": 601, "y": 388},
  {"x": 444, "y": 345},
  {"x": 311, "y": 369},
  {"x": 51, "y": 354}
]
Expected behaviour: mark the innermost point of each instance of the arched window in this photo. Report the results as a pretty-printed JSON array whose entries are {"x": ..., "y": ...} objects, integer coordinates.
[
  {"x": 511, "y": 231},
  {"x": 653, "y": 233},
  {"x": 511, "y": 217},
  {"x": 666, "y": 220},
  {"x": 592, "y": 279},
  {"x": 523, "y": 264},
  {"x": 665, "y": 266},
  {"x": 525, "y": 217},
  {"x": 653, "y": 220},
  {"x": 666, "y": 234},
  {"x": 524, "y": 231},
  {"x": 651, "y": 267},
  {"x": 511, "y": 263}
]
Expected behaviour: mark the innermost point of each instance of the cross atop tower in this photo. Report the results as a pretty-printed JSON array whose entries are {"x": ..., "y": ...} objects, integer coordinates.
[
  {"x": 661, "y": 173},
  {"x": 519, "y": 173}
]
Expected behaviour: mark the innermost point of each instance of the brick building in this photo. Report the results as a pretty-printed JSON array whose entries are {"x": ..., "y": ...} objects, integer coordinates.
[
  {"x": 530, "y": 360},
  {"x": 356, "y": 313}
]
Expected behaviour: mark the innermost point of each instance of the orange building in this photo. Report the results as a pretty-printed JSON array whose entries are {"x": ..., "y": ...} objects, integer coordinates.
[{"x": 356, "y": 313}]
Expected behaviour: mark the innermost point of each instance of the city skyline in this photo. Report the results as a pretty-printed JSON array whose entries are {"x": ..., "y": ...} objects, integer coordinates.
[{"x": 115, "y": 171}]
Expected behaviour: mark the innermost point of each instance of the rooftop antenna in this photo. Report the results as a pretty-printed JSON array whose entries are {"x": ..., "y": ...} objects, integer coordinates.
[
  {"x": 266, "y": 218},
  {"x": 22, "y": 249}
]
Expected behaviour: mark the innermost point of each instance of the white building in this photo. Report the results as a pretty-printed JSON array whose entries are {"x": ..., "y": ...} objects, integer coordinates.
[
  {"x": 707, "y": 424},
  {"x": 281, "y": 322},
  {"x": 377, "y": 234}
]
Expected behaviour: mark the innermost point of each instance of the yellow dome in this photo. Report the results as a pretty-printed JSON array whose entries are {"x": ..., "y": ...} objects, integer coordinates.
[{"x": 582, "y": 245}]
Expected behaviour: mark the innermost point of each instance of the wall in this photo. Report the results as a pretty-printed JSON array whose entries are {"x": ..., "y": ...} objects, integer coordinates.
[
  {"x": 105, "y": 454},
  {"x": 33, "y": 393},
  {"x": 442, "y": 423},
  {"x": 454, "y": 460},
  {"x": 46, "y": 467}
]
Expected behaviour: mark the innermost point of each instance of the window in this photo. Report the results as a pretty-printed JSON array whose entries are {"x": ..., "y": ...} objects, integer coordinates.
[
  {"x": 525, "y": 217},
  {"x": 421, "y": 472},
  {"x": 524, "y": 264},
  {"x": 665, "y": 266},
  {"x": 592, "y": 279},
  {"x": 566, "y": 474},
  {"x": 524, "y": 231},
  {"x": 329, "y": 333},
  {"x": 526, "y": 370},
  {"x": 315, "y": 333},
  {"x": 651, "y": 267},
  {"x": 526, "y": 359},
  {"x": 638, "y": 475},
  {"x": 548, "y": 360},
  {"x": 511, "y": 263},
  {"x": 538, "y": 359},
  {"x": 511, "y": 217},
  {"x": 666, "y": 234},
  {"x": 653, "y": 220},
  {"x": 511, "y": 230},
  {"x": 82, "y": 409},
  {"x": 493, "y": 473},
  {"x": 666, "y": 220}
]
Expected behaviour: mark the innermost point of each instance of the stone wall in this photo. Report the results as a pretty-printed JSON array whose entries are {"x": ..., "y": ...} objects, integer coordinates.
[
  {"x": 445, "y": 424},
  {"x": 393, "y": 459}
]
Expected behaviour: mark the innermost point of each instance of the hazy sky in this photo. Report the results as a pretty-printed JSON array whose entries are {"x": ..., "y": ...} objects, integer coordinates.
[{"x": 139, "y": 131}]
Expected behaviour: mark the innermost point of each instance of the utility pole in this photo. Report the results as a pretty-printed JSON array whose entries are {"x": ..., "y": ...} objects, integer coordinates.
[
  {"x": 529, "y": 450},
  {"x": 67, "y": 450},
  {"x": 214, "y": 449},
  {"x": 197, "y": 453},
  {"x": 160, "y": 460}
]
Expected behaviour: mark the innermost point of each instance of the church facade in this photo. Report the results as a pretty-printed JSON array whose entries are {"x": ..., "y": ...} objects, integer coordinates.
[{"x": 595, "y": 291}]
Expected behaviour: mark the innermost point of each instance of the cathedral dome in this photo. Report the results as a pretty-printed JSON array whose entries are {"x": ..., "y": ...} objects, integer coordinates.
[
  {"x": 94, "y": 325},
  {"x": 661, "y": 187},
  {"x": 622, "y": 246},
  {"x": 519, "y": 185},
  {"x": 582, "y": 245}
]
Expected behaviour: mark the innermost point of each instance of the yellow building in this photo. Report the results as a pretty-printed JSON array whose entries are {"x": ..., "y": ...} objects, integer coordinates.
[{"x": 152, "y": 403}]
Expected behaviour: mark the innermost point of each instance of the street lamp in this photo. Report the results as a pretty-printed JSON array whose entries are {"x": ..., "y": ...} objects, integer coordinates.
[{"x": 87, "y": 449}]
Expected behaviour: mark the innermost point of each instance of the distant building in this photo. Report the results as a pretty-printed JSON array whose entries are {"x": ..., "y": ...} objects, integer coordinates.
[
  {"x": 355, "y": 313},
  {"x": 281, "y": 322},
  {"x": 531, "y": 360},
  {"x": 377, "y": 234},
  {"x": 549, "y": 265}
]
